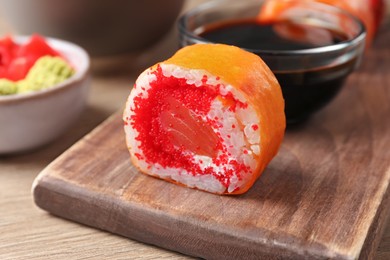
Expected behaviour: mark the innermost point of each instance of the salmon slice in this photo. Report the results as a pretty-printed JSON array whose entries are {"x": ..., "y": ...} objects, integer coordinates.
[
  {"x": 188, "y": 131},
  {"x": 211, "y": 117},
  {"x": 278, "y": 10}
]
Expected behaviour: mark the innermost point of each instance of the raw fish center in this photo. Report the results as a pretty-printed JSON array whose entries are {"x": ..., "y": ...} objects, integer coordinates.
[{"x": 187, "y": 131}]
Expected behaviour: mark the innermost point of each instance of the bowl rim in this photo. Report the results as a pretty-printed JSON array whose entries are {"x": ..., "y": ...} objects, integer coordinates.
[
  {"x": 361, "y": 36},
  {"x": 63, "y": 47}
]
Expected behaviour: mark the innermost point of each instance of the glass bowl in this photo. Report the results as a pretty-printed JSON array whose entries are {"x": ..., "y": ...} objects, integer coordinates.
[{"x": 310, "y": 77}]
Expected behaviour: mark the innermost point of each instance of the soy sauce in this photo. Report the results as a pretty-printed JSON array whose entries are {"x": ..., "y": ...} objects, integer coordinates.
[{"x": 304, "y": 91}]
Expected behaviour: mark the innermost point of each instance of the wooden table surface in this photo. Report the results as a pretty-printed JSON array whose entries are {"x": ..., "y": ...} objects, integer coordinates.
[{"x": 26, "y": 232}]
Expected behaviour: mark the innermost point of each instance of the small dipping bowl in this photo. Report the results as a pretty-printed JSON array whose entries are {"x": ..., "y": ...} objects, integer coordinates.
[
  {"x": 32, "y": 119},
  {"x": 310, "y": 77}
]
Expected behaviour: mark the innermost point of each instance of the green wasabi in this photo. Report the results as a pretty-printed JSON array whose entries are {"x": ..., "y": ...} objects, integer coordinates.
[
  {"x": 8, "y": 87},
  {"x": 47, "y": 72}
]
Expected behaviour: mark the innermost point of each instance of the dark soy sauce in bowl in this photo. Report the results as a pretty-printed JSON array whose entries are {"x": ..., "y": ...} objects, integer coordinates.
[
  {"x": 305, "y": 90},
  {"x": 311, "y": 47},
  {"x": 279, "y": 36}
]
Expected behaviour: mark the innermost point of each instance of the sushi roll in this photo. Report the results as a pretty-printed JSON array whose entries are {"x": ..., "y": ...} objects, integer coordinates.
[
  {"x": 211, "y": 117},
  {"x": 274, "y": 11}
]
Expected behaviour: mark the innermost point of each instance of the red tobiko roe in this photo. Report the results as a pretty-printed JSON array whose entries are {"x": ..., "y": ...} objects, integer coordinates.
[
  {"x": 174, "y": 106},
  {"x": 16, "y": 60}
]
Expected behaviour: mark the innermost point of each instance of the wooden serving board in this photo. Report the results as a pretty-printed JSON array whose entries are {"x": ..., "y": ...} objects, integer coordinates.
[{"x": 324, "y": 196}]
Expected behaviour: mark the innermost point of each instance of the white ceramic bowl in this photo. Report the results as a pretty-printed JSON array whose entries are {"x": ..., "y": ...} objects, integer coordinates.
[{"x": 34, "y": 119}]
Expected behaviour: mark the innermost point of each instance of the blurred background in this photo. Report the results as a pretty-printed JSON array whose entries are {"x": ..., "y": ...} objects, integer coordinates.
[{"x": 120, "y": 35}]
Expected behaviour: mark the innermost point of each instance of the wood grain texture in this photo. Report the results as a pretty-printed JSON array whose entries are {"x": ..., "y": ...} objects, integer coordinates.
[{"x": 324, "y": 196}]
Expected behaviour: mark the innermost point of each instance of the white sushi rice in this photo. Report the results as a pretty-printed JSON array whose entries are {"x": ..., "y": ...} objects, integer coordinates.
[{"x": 242, "y": 141}]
